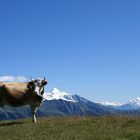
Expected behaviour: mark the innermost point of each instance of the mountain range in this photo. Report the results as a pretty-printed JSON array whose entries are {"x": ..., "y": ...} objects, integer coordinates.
[
  {"x": 60, "y": 103},
  {"x": 132, "y": 104},
  {"x": 56, "y": 94}
]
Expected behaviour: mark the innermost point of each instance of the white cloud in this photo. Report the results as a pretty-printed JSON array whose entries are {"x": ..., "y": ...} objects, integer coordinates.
[
  {"x": 13, "y": 79},
  {"x": 58, "y": 80}
]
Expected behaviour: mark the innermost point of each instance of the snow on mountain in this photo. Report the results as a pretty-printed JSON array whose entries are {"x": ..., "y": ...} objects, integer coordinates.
[
  {"x": 56, "y": 94},
  {"x": 106, "y": 103},
  {"x": 135, "y": 102}
]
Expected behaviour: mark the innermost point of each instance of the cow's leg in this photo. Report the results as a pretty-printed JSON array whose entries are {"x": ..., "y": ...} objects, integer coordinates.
[{"x": 34, "y": 108}]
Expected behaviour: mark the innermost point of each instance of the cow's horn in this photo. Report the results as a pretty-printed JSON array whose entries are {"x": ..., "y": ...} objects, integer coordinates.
[{"x": 31, "y": 78}]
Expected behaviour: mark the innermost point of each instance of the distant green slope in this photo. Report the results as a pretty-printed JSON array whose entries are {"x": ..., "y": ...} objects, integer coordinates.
[{"x": 72, "y": 128}]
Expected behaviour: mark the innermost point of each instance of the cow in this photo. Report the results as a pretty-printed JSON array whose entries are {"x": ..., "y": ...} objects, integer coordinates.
[{"x": 17, "y": 94}]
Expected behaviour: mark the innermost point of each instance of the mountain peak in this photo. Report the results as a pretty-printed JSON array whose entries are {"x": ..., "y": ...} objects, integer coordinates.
[
  {"x": 56, "y": 94},
  {"x": 55, "y": 90}
]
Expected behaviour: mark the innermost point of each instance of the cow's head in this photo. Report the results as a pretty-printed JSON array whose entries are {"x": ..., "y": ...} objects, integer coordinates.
[{"x": 37, "y": 86}]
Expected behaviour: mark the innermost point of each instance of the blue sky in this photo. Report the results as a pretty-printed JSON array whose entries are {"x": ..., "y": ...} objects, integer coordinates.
[{"x": 85, "y": 47}]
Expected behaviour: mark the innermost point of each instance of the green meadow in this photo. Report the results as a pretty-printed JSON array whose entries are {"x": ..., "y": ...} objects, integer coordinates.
[{"x": 72, "y": 128}]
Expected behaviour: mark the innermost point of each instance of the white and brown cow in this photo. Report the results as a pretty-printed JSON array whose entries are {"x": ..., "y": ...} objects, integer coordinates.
[{"x": 26, "y": 93}]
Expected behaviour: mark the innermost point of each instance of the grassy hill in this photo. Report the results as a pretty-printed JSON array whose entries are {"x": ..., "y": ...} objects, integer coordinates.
[{"x": 72, "y": 128}]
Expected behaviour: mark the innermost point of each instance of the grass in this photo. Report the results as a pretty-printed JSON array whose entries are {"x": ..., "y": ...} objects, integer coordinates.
[{"x": 72, "y": 128}]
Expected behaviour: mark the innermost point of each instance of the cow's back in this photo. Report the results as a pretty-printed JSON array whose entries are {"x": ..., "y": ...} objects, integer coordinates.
[
  {"x": 13, "y": 93},
  {"x": 15, "y": 86}
]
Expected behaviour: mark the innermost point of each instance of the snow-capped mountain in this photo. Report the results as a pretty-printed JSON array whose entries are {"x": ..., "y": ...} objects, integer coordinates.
[
  {"x": 56, "y": 94},
  {"x": 132, "y": 104}
]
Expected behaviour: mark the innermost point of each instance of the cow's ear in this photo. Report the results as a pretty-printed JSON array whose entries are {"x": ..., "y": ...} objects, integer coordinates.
[
  {"x": 30, "y": 85},
  {"x": 44, "y": 82}
]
